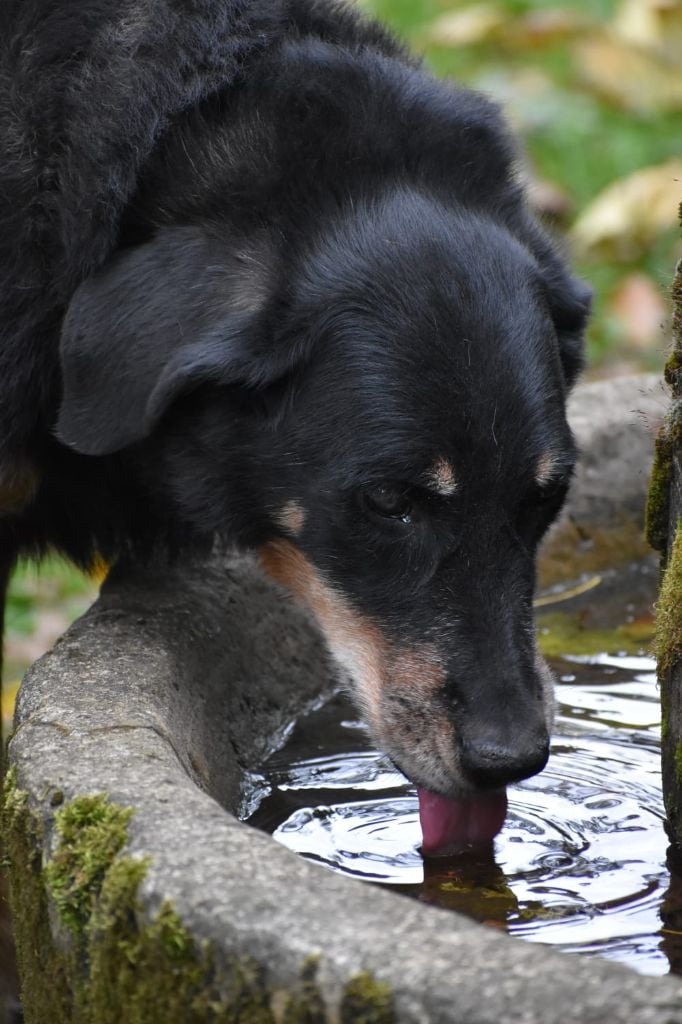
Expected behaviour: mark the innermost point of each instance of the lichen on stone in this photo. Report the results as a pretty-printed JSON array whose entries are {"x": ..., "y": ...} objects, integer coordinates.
[{"x": 668, "y": 638}]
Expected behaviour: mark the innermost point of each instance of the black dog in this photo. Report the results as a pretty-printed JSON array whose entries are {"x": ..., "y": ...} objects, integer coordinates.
[{"x": 263, "y": 276}]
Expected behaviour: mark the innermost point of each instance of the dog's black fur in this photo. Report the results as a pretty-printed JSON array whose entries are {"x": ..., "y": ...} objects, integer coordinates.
[{"x": 263, "y": 276}]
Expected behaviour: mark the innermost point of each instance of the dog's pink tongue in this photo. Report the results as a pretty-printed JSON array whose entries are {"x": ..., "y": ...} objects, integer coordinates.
[{"x": 450, "y": 826}]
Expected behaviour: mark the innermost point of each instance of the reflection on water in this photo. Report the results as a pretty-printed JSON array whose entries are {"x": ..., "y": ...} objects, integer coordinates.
[{"x": 580, "y": 862}]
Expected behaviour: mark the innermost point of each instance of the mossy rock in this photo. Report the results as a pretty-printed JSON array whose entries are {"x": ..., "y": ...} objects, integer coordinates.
[{"x": 111, "y": 964}]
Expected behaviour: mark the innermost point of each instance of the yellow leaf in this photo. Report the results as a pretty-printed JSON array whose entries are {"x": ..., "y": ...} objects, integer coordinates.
[
  {"x": 9, "y": 696},
  {"x": 655, "y": 24},
  {"x": 625, "y": 218},
  {"x": 468, "y": 25},
  {"x": 630, "y": 75}
]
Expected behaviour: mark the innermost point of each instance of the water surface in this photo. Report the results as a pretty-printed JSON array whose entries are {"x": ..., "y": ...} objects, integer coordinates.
[{"x": 581, "y": 861}]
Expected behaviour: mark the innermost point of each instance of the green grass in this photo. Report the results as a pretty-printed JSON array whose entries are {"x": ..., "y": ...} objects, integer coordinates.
[
  {"x": 53, "y": 583},
  {"x": 41, "y": 603}
]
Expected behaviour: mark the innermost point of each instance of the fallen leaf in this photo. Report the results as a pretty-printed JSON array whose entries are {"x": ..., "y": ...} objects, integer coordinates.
[
  {"x": 8, "y": 698},
  {"x": 653, "y": 24},
  {"x": 547, "y": 27},
  {"x": 640, "y": 310},
  {"x": 632, "y": 76},
  {"x": 468, "y": 25},
  {"x": 624, "y": 219}
]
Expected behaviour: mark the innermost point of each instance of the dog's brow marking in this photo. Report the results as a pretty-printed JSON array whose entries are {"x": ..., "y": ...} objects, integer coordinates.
[
  {"x": 291, "y": 517},
  {"x": 442, "y": 477},
  {"x": 545, "y": 469}
]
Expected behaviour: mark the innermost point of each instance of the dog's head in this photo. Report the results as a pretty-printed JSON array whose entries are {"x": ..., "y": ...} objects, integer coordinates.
[{"x": 381, "y": 413}]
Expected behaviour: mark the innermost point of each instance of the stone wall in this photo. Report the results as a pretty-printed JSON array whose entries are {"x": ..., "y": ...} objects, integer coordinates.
[{"x": 664, "y": 528}]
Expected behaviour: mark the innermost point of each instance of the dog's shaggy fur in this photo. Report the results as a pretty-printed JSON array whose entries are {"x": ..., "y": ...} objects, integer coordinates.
[{"x": 262, "y": 276}]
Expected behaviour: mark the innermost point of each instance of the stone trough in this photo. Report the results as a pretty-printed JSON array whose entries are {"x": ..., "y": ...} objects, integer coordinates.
[{"x": 139, "y": 896}]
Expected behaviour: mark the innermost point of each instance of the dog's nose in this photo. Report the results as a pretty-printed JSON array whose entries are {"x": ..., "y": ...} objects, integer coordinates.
[{"x": 490, "y": 763}]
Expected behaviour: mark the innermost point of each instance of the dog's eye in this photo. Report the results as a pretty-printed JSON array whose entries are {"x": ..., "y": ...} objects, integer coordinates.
[{"x": 389, "y": 502}]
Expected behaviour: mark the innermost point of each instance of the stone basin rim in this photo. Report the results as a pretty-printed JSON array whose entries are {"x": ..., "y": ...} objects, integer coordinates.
[{"x": 133, "y": 702}]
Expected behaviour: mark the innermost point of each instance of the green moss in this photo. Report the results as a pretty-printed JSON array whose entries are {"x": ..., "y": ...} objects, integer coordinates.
[
  {"x": 668, "y": 638},
  {"x": 658, "y": 497},
  {"x": 670, "y": 435},
  {"x": 44, "y": 970},
  {"x": 560, "y": 633},
  {"x": 673, "y": 367},
  {"x": 367, "y": 1001},
  {"x": 115, "y": 965},
  {"x": 156, "y": 973},
  {"x": 307, "y": 1006},
  {"x": 91, "y": 832}
]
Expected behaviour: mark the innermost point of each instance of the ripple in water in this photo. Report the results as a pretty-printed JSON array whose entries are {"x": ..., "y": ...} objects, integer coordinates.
[{"x": 580, "y": 862}]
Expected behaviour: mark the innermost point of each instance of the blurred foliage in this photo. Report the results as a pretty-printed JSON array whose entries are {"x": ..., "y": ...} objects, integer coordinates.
[
  {"x": 594, "y": 88},
  {"x": 42, "y": 602}
]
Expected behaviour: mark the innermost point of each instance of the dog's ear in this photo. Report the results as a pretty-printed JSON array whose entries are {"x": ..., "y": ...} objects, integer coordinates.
[
  {"x": 157, "y": 321},
  {"x": 570, "y": 301}
]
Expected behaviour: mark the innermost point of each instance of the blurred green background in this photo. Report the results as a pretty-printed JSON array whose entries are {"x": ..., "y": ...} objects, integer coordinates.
[{"x": 594, "y": 89}]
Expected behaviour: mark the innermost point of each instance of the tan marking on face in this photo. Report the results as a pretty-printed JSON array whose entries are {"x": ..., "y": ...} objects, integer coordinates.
[
  {"x": 355, "y": 643},
  {"x": 545, "y": 469},
  {"x": 291, "y": 517},
  {"x": 397, "y": 690},
  {"x": 18, "y": 484},
  {"x": 442, "y": 478}
]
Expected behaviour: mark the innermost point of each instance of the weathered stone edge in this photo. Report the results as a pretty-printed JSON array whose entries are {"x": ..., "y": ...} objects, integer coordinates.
[{"x": 121, "y": 708}]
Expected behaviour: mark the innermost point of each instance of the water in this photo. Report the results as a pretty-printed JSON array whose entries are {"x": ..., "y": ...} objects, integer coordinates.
[{"x": 581, "y": 861}]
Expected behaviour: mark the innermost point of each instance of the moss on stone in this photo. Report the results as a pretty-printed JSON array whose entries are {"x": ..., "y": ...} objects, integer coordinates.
[
  {"x": 110, "y": 964},
  {"x": 91, "y": 832},
  {"x": 116, "y": 966},
  {"x": 307, "y": 1005},
  {"x": 153, "y": 973},
  {"x": 367, "y": 1001},
  {"x": 658, "y": 498},
  {"x": 45, "y": 972},
  {"x": 668, "y": 638}
]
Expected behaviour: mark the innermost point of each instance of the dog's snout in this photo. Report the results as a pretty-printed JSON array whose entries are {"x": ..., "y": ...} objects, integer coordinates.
[{"x": 490, "y": 762}]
